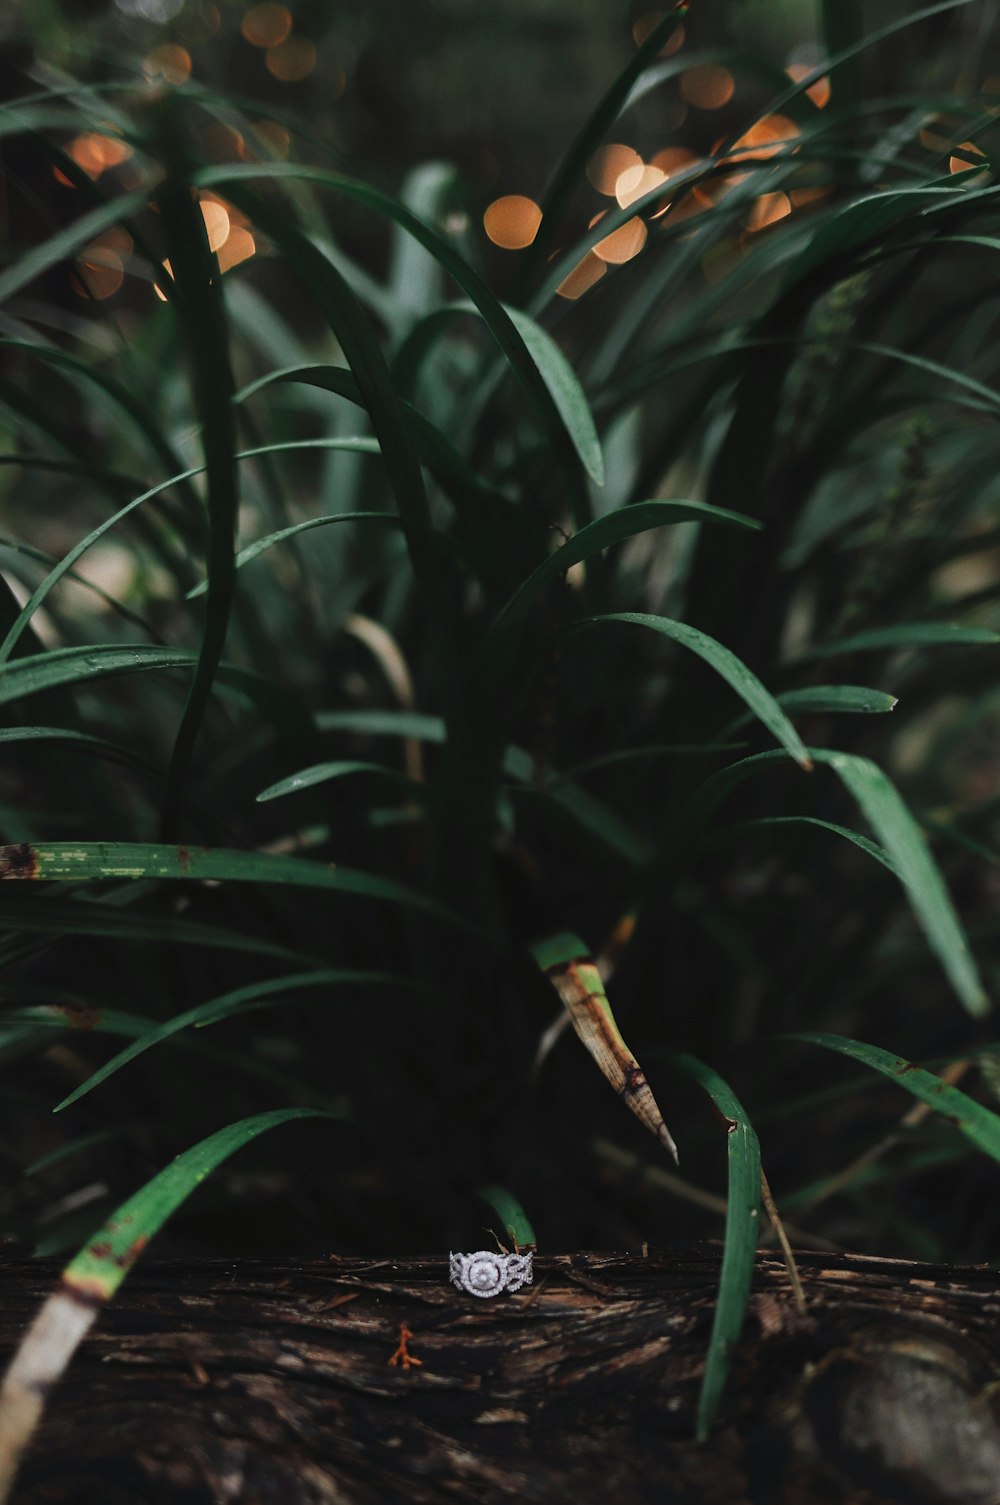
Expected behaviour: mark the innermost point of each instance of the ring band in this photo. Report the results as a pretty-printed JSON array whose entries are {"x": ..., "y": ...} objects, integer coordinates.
[{"x": 486, "y": 1274}]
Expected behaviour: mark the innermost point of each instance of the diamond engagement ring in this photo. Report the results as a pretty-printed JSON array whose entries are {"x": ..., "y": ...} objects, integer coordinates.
[{"x": 485, "y": 1274}]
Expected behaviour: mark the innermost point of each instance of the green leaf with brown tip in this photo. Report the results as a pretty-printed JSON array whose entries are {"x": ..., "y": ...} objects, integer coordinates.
[{"x": 573, "y": 973}]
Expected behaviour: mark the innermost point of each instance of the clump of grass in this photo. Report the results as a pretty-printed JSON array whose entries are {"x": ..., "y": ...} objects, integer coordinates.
[{"x": 342, "y": 668}]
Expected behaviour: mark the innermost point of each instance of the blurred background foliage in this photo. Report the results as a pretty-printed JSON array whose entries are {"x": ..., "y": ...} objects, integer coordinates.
[{"x": 876, "y": 479}]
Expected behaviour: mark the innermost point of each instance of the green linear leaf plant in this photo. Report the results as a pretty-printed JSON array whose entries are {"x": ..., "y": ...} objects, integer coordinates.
[{"x": 384, "y": 608}]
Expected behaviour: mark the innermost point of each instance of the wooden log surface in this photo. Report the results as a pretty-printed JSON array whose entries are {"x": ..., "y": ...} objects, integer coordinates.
[{"x": 262, "y": 1381}]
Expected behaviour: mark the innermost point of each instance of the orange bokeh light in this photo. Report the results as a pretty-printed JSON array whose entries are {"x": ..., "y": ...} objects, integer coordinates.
[
  {"x": 673, "y": 159},
  {"x": 607, "y": 165},
  {"x": 100, "y": 266},
  {"x": 94, "y": 153},
  {"x": 622, "y": 244},
  {"x": 168, "y": 64},
  {"x": 583, "y": 276},
  {"x": 765, "y": 138},
  {"x": 216, "y": 217},
  {"x": 767, "y": 210},
  {"x": 512, "y": 221},
  {"x": 240, "y": 246},
  {"x": 635, "y": 182},
  {"x": 707, "y": 86},
  {"x": 156, "y": 287},
  {"x": 819, "y": 92},
  {"x": 267, "y": 25},
  {"x": 291, "y": 60},
  {"x": 802, "y": 196},
  {"x": 959, "y": 164},
  {"x": 644, "y": 24}
]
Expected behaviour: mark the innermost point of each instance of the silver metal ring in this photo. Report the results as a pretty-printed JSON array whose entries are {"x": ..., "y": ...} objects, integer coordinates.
[{"x": 486, "y": 1274}]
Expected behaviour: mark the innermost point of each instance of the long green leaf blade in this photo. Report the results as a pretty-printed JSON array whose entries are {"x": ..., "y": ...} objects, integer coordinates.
[
  {"x": 197, "y": 297},
  {"x": 727, "y": 665},
  {"x": 323, "y": 773},
  {"x": 498, "y": 648},
  {"x": 979, "y": 1125},
  {"x": 511, "y": 1214},
  {"x": 567, "y": 394},
  {"x": 82, "y": 917},
  {"x": 863, "y": 843},
  {"x": 742, "y": 1232},
  {"x": 907, "y": 847},
  {"x": 101, "y": 860},
  {"x": 239, "y": 1001},
  {"x": 909, "y": 635},
  {"x": 904, "y": 843},
  {"x": 261, "y": 545},
  {"x": 92, "y": 1278}
]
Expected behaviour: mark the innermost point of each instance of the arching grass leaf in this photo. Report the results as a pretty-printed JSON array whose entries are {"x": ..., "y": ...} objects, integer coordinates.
[
  {"x": 727, "y": 665},
  {"x": 495, "y": 655},
  {"x": 872, "y": 848},
  {"x": 564, "y": 387},
  {"x": 239, "y": 1001},
  {"x": 322, "y": 773},
  {"x": 979, "y": 1125},
  {"x": 92, "y": 1278},
  {"x": 904, "y": 843},
  {"x": 261, "y": 545},
  {"x": 362, "y": 445}
]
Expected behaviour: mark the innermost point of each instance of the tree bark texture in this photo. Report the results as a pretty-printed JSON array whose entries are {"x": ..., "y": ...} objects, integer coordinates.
[{"x": 270, "y": 1383}]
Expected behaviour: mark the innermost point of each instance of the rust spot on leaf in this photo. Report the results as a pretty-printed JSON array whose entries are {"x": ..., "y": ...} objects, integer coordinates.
[
  {"x": 78, "y": 1016},
  {"x": 633, "y": 1081},
  {"x": 131, "y": 1254},
  {"x": 184, "y": 858},
  {"x": 902, "y": 1067},
  {"x": 18, "y": 861},
  {"x": 99, "y": 1251}
]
